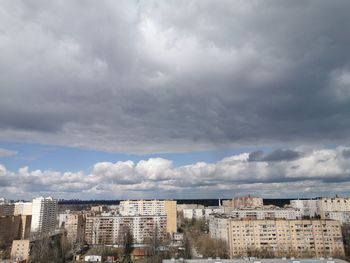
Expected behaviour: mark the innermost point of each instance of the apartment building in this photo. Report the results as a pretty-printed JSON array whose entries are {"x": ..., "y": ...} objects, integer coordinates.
[
  {"x": 218, "y": 227},
  {"x": 110, "y": 230},
  {"x": 244, "y": 202},
  {"x": 20, "y": 249},
  {"x": 335, "y": 204},
  {"x": 285, "y": 213},
  {"x": 181, "y": 207},
  {"x": 9, "y": 229},
  {"x": 308, "y": 208},
  {"x": 151, "y": 207},
  {"x": 7, "y": 209},
  {"x": 14, "y": 227},
  {"x": 285, "y": 237},
  {"x": 343, "y": 217},
  {"x": 44, "y": 213},
  {"x": 203, "y": 213},
  {"x": 23, "y": 208},
  {"x": 74, "y": 224}
]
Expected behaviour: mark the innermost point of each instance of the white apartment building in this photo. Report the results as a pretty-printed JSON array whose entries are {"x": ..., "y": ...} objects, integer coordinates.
[
  {"x": 218, "y": 226},
  {"x": 266, "y": 213},
  {"x": 202, "y": 213},
  {"x": 109, "y": 230},
  {"x": 343, "y": 217},
  {"x": 151, "y": 208},
  {"x": 335, "y": 204},
  {"x": 308, "y": 208},
  {"x": 44, "y": 213}
]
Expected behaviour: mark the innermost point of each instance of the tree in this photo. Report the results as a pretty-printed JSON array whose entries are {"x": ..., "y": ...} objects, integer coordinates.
[
  {"x": 128, "y": 241},
  {"x": 48, "y": 249}
]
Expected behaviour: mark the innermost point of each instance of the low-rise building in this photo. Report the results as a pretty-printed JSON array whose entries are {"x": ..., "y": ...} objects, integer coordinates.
[{"x": 20, "y": 249}]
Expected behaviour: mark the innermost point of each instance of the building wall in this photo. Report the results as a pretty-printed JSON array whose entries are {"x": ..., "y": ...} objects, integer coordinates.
[
  {"x": 25, "y": 225},
  {"x": 218, "y": 228},
  {"x": 171, "y": 213},
  {"x": 20, "y": 249},
  {"x": 308, "y": 208},
  {"x": 7, "y": 209},
  {"x": 110, "y": 230},
  {"x": 336, "y": 204},
  {"x": 44, "y": 211},
  {"x": 244, "y": 201},
  {"x": 9, "y": 229},
  {"x": 151, "y": 207},
  {"x": 22, "y": 208},
  {"x": 74, "y": 223},
  {"x": 284, "y": 237}
]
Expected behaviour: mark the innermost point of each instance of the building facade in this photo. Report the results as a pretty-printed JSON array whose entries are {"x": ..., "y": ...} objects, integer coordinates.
[
  {"x": 151, "y": 207},
  {"x": 110, "y": 230},
  {"x": 244, "y": 202},
  {"x": 336, "y": 204},
  {"x": 23, "y": 208},
  {"x": 44, "y": 213},
  {"x": 285, "y": 237},
  {"x": 308, "y": 208},
  {"x": 20, "y": 249},
  {"x": 74, "y": 224}
]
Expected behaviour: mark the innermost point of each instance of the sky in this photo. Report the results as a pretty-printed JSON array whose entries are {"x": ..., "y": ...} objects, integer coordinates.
[{"x": 174, "y": 99}]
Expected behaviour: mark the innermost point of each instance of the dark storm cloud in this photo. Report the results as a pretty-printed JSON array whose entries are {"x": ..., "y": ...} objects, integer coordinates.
[
  {"x": 274, "y": 156},
  {"x": 152, "y": 76}
]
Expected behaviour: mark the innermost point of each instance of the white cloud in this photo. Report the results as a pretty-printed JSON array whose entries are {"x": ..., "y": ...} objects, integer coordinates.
[
  {"x": 7, "y": 153},
  {"x": 314, "y": 172}
]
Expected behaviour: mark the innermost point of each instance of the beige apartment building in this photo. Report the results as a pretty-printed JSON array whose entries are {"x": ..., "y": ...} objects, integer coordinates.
[
  {"x": 244, "y": 202},
  {"x": 109, "y": 230},
  {"x": 14, "y": 227},
  {"x": 74, "y": 224},
  {"x": 23, "y": 208},
  {"x": 285, "y": 237},
  {"x": 151, "y": 207},
  {"x": 335, "y": 204},
  {"x": 20, "y": 249}
]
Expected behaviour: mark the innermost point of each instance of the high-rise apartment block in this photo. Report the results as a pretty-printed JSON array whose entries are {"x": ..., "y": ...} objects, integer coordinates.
[
  {"x": 44, "y": 211},
  {"x": 285, "y": 237},
  {"x": 110, "y": 230},
  {"x": 151, "y": 207},
  {"x": 74, "y": 223}
]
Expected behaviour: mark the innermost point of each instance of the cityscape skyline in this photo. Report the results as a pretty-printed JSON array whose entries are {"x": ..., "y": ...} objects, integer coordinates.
[{"x": 174, "y": 99}]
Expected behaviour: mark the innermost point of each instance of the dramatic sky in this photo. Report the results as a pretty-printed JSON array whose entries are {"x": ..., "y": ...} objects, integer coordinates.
[{"x": 183, "y": 99}]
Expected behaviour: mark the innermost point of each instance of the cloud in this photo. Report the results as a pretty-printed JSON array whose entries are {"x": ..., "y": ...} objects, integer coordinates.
[
  {"x": 7, "y": 153},
  {"x": 313, "y": 173},
  {"x": 274, "y": 156},
  {"x": 169, "y": 76}
]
